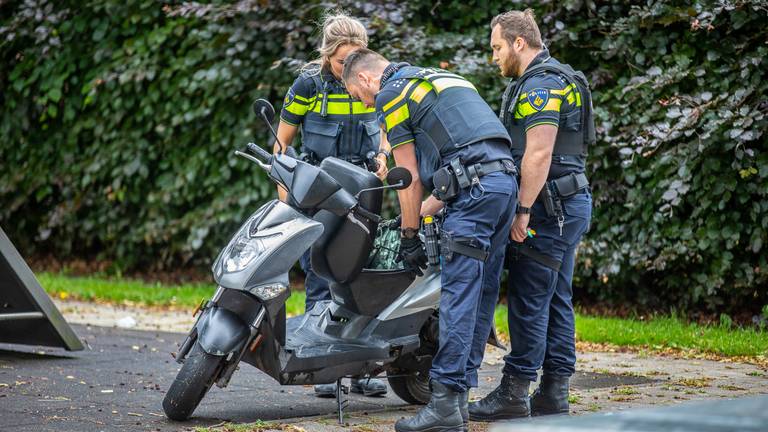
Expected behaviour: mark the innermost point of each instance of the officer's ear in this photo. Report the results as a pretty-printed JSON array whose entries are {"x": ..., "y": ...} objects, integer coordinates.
[
  {"x": 362, "y": 78},
  {"x": 519, "y": 44}
]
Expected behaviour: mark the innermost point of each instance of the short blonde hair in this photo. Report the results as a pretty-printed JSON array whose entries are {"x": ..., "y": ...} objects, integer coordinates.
[
  {"x": 516, "y": 24},
  {"x": 338, "y": 28}
]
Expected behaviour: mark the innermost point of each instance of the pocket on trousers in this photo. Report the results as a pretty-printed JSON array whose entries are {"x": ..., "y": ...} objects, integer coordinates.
[
  {"x": 580, "y": 207},
  {"x": 540, "y": 244}
]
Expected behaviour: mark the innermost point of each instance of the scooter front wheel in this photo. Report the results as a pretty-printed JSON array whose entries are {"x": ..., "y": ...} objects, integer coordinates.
[
  {"x": 412, "y": 387},
  {"x": 193, "y": 381}
]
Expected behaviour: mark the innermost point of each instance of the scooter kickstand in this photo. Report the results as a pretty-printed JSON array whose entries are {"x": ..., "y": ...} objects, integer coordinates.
[{"x": 341, "y": 404}]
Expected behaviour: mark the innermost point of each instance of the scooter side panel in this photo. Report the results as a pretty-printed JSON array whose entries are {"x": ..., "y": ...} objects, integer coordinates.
[{"x": 423, "y": 294}]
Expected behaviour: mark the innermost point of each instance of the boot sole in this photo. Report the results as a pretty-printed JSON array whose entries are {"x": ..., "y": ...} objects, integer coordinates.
[
  {"x": 496, "y": 417},
  {"x": 550, "y": 413}
]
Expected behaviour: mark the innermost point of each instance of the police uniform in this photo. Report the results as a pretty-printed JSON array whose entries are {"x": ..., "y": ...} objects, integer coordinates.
[
  {"x": 541, "y": 317},
  {"x": 448, "y": 122},
  {"x": 332, "y": 123}
]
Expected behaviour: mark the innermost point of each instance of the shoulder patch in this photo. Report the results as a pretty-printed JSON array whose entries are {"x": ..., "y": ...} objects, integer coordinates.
[
  {"x": 538, "y": 98},
  {"x": 289, "y": 97}
]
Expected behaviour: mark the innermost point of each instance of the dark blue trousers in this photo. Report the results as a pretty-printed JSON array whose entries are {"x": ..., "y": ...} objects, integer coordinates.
[
  {"x": 541, "y": 318},
  {"x": 317, "y": 288},
  {"x": 470, "y": 287}
]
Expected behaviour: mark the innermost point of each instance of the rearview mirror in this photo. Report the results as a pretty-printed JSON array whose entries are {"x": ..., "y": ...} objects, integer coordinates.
[
  {"x": 263, "y": 109},
  {"x": 399, "y": 178}
]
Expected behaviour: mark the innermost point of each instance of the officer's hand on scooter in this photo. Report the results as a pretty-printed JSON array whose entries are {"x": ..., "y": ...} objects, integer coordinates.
[
  {"x": 412, "y": 254},
  {"x": 519, "y": 229},
  {"x": 382, "y": 170}
]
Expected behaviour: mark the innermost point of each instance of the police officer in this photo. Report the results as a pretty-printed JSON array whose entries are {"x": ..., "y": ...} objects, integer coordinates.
[
  {"x": 451, "y": 141},
  {"x": 332, "y": 124},
  {"x": 548, "y": 113}
]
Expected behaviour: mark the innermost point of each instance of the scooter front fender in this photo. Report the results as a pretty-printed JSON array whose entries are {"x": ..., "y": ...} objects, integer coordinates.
[{"x": 221, "y": 332}]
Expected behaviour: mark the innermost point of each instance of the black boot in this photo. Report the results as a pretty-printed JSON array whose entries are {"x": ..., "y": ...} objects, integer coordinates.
[
  {"x": 440, "y": 415},
  {"x": 464, "y": 409},
  {"x": 551, "y": 397},
  {"x": 507, "y": 401}
]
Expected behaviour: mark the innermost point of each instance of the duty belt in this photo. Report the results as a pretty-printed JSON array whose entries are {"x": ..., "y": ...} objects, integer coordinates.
[{"x": 450, "y": 180}]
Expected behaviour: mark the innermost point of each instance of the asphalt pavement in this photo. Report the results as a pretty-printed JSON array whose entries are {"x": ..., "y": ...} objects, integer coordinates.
[{"x": 119, "y": 381}]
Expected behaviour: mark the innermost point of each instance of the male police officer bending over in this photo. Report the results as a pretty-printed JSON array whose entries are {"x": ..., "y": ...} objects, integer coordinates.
[
  {"x": 446, "y": 135},
  {"x": 548, "y": 113}
]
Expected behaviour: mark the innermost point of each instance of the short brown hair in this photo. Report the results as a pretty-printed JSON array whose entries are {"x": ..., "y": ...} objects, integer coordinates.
[
  {"x": 362, "y": 58},
  {"x": 516, "y": 24}
]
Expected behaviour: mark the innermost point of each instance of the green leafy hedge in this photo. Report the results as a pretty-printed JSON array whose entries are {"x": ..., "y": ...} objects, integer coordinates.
[{"x": 119, "y": 120}]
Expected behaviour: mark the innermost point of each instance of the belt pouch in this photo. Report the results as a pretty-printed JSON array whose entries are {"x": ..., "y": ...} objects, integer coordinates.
[{"x": 446, "y": 187}]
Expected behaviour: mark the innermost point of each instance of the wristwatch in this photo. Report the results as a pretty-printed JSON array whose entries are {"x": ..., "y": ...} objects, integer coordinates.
[
  {"x": 409, "y": 232},
  {"x": 522, "y": 210},
  {"x": 384, "y": 152}
]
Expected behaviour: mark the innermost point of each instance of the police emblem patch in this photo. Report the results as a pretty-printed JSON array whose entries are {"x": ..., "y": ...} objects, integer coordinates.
[
  {"x": 538, "y": 98},
  {"x": 288, "y": 97}
]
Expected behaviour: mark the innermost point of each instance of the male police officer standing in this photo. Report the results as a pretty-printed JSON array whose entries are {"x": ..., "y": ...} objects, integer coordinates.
[
  {"x": 548, "y": 113},
  {"x": 446, "y": 135}
]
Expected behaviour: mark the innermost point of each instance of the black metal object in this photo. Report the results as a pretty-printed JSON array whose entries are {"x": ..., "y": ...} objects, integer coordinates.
[
  {"x": 27, "y": 314},
  {"x": 341, "y": 401}
]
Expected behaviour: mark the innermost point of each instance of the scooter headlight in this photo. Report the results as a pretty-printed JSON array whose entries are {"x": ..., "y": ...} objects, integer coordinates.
[
  {"x": 268, "y": 292},
  {"x": 246, "y": 249}
]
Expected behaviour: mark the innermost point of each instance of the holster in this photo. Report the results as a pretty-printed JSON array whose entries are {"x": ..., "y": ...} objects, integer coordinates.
[
  {"x": 552, "y": 204},
  {"x": 466, "y": 246}
]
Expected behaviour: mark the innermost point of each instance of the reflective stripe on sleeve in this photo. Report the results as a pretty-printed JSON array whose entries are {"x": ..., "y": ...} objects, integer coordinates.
[
  {"x": 397, "y": 116},
  {"x": 296, "y": 108},
  {"x": 399, "y": 97},
  {"x": 524, "y": 109}
]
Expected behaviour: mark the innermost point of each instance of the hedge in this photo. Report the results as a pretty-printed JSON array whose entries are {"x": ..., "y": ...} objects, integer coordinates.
[{"x": 119, "y": 119}]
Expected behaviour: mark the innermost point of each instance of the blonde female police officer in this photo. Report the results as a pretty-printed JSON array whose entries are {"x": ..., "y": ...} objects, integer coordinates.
[{"x": 332, "y": 123}]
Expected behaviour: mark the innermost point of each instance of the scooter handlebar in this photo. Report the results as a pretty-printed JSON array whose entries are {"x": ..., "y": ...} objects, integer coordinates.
[{"x": 260, "y": 153}]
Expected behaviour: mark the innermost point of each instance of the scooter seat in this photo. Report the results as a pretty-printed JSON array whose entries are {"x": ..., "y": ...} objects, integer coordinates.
[{"x": 342, "y": 250}]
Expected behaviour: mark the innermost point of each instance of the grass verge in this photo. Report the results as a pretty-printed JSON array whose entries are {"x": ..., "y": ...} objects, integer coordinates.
[
  {"x": 654, "y": 333},
  {"x": 663, "y": 332},
  {"x": 132, "y": 292}
]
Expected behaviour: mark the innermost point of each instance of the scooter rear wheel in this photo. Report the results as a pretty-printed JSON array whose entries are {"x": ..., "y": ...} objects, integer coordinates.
[
  {"x": 193, "y": 381},
  {"x": 412, "y": 387}
]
